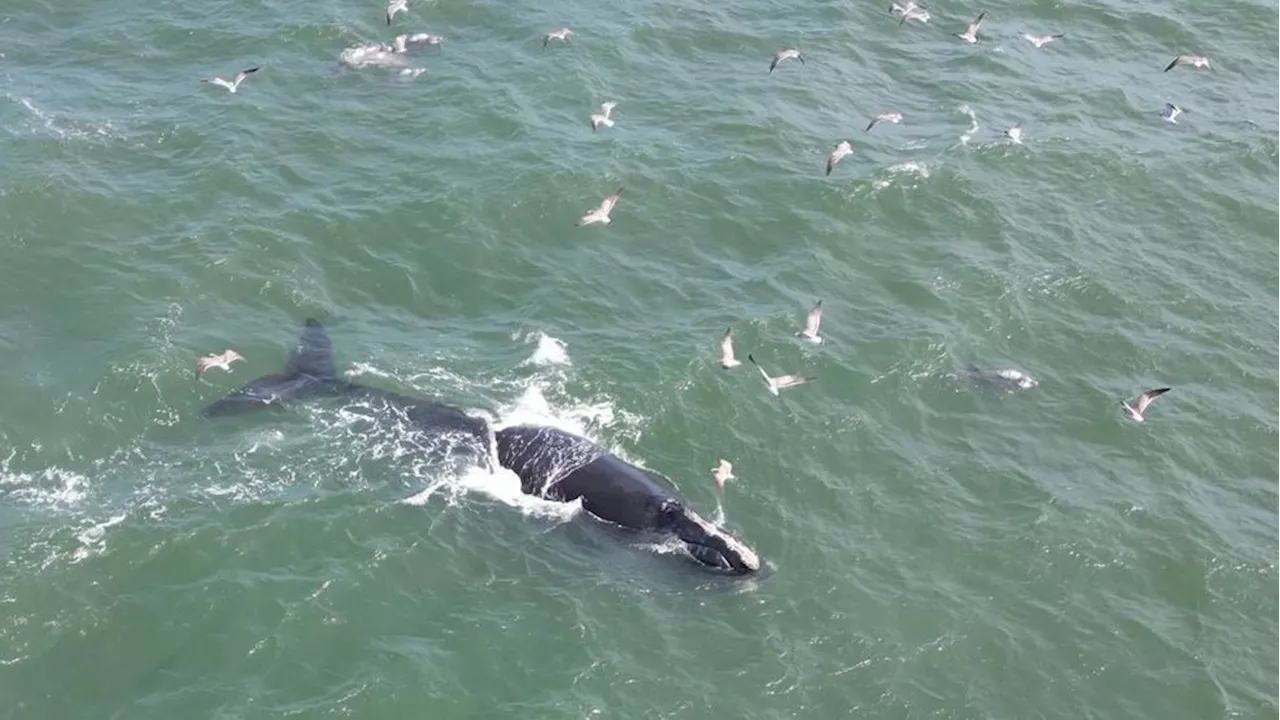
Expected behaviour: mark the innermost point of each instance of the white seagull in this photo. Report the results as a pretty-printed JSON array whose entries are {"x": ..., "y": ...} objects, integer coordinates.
[
  {"x": 561, "y": 34},
  {"x": 970, "y": 34},
  {"x": 889, "y": 117},
  {"x": 1140, "y": 405},
  {"x": 1171, "y": 113},
  {"x": 1199, "y": 61},
  {"x": 727, "y": 359},
  {"x": 217, "y": 360},
  {"x": 1014, "y": 134},
  {"x": 811, "y": 322},
  {"x": 1042, "y": 40},
  {"x": 722, "y": 472},
  {"x": 910, "y": 11},
  {"x": 603, "y": 118},
  {"x": 232, "y": 84},
  {"x": 784, "y": 54},
  {"x": 396, "y": 6},
  {"x": 600, "y": 213},
  {"x": 842, "y": 149},
  {"x": 780, "y": 382}
]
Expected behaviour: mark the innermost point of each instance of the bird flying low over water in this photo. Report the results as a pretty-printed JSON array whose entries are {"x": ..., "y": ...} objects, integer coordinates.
[
  {"x": 603, "y": 117},
  {"x": 561, "y": 34},
  {"x": 811, "y": 321},
  {"x": 600, "y": 213},
  {"x": 1042, "y": 40},
  {"x": 722, "y": 473},
  {"x": 727, "y": 358},
  {"x": 782, "y": 54},
  {"x": 221, "y": 360},
  {"x": 1199, "y": 61},
  {"x": 232, "y": 85},
  {"x": 1014, "y": 134},
  {"x": 842, "y": 149},
  {"x": 1171, "y": 112},
  {"x": 910, "y": 11},
  {"x": 970, "y": 34},
  {"x": 889, "y": 117},
  {"x": 1139, "y": 406},
  {"x": 780, "y": 382}
]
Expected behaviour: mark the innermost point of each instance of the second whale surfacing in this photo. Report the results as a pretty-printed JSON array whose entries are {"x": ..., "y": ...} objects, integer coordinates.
[{"x": 551, "y": 463}]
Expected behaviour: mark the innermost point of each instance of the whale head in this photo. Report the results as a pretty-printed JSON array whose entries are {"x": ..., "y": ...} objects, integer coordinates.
[{"x": 707, "y": 543}]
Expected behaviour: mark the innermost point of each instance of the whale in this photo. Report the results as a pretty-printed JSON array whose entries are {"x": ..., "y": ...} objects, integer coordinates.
[
  {"x": 551, "y": 463},
  {"x": 1006, "y": 380},
  {"x": 557, "y": 465}
]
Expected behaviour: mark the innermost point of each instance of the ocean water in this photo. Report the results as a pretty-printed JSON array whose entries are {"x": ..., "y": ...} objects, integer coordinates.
[{"x": 930, "y": 549}]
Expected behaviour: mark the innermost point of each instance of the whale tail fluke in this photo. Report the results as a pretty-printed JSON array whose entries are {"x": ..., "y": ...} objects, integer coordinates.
[
  {"x": 313, "y": 354},
  {"x": 308, "y": 371}
]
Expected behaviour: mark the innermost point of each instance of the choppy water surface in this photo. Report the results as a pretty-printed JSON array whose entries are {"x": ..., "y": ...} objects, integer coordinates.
[{"x": 931, "y": 550}]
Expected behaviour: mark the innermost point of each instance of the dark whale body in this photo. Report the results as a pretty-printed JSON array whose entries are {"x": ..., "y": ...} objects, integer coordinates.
[{"x": 551, "y": 463}]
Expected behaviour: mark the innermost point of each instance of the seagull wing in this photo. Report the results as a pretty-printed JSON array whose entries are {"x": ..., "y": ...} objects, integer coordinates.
[
  {"x": 726, "y": 347},
  {"x": 786, "y": 381},
  {"x": 1149, "y": 397},
  {"x": 606, "y": 206},
  {"x": 767, "y": 380},
  {"x": 973, "y": 26},
  {"x": 1173, "y": 64},
  {"x": 812, "y": 320}
]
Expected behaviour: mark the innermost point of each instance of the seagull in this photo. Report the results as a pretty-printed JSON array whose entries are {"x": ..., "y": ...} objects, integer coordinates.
[
  {"x": 727, "y": 359},
  {"x": 1199, "y": 61},
  {"x": 1140, "y": 405},
  {"x": 844, "y": 148},
  {"x": 396, "y": 6},
  {"x": 970, "y": 34},
  {"x": 217, "y": 360},
  {"x": 233, "y": 84},
  {"x": 561, "y": 34},
  {"x": 910, "y": 11},
  {"x": 600, "y": 214},
  {"x": 1014, "y": 134},
  {"x": 811, "y": 321},
  {"x": 782, "y": 381},
  {"x": 1171, "y": 113},
  {"x": 1042, "y": 40},
  {"x": 722, "y": 472},
  {"x": 784, "y": 54},
  {"x": 892, "y": 117},
  {"x": 603, "y": 118}
]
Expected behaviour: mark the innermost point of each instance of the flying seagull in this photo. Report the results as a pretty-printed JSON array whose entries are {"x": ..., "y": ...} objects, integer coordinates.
[
  {"x": 842, "y": 149},
  {"x": 1199, "y": 61},
  {"x": 1171, "y": 113},
  {"x": 603, "y": 118},
  {"x": 561, "y": 34},
  {"x": 600, "y": 214},
  {"x": 1140, "y": 405},
  {"x": 722, "y": 472},
  {"x": 970, "y": 34},
  {"x": 811, "y": 321},
  {"x": 780, "y": 382},
  {"x": 890, "y": 117},
  {"x": 232, "y": 84},
  {"x": 1014, "y": 134},
  {"x": 217, "y": 360},
  {"x": 784, "y": 54},
  {"x": 910, "y": 11},
  {"x": 1042, "y": 40},
  {"x": 396, "y": 6},
  {"x": 727, "y": 359}
]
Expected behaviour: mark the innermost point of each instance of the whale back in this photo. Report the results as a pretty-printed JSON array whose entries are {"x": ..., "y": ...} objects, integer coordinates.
[
  {"x": 557, "y": 465},
  {"x": 313, "y": 355}
]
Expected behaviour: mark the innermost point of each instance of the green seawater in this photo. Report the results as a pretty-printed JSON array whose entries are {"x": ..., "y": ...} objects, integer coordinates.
[{"x": 931, "y": 550}]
